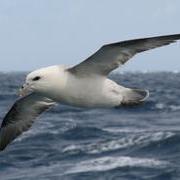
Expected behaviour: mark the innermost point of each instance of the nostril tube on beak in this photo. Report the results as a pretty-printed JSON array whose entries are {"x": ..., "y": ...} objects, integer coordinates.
[{"x": 24, "y": 90}]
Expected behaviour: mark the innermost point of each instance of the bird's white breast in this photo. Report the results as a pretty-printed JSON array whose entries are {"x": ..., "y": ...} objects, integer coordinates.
[
  {"x": 88, "y": 92},
  {"x": 91, "y": 91}
]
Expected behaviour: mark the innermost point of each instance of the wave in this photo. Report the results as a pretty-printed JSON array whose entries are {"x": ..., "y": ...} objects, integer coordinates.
[
  {"x": 109, "y": 163},
  {"x": 80, "y": 132},
  {"x": 171, "y": 107},
  {"x": 45, "y": 126},
  {"x": 118, "y": 144}
]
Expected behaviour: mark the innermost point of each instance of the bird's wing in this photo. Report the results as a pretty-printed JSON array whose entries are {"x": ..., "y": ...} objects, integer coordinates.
[
  {"x": 111, "y": 56},
  {"x": 21, "y": 117}
]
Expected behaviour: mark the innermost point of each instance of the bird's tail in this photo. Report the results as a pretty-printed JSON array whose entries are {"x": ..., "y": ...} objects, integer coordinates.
[{"x": 134, "y": 96}]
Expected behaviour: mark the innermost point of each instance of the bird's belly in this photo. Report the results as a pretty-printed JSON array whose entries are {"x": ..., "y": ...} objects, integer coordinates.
[
  {"x": 89, "y": 96},
  {"x": 88, "y": 101},
  {"x": 92, "y": 92}
]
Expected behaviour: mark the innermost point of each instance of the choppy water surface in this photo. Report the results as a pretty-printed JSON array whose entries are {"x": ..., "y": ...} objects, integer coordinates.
[{"x": 69, "y": 143}]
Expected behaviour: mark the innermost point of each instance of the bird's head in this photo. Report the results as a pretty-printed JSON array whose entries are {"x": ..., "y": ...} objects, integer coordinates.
[{"x": 42, "y": 80}]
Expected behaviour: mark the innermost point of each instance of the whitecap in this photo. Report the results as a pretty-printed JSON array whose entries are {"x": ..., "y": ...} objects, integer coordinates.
[
  {"x": 118, "y": 144},
  {"x": 160, "y": 106},
  {"x": 109, "y": 163},
  {"x": 174, "y": 107}
]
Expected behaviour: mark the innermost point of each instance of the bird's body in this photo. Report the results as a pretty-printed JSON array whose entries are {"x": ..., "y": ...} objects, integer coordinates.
[
  {"x": 84, "y": 85},
  {"x": 88, "y": 92}
]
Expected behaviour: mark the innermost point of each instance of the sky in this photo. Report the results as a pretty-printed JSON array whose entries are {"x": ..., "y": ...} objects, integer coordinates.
[{"x": 39, "y": 33}]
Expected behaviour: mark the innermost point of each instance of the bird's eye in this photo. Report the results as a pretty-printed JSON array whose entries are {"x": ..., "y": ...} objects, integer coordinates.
[{"x": 36, "y": 78}]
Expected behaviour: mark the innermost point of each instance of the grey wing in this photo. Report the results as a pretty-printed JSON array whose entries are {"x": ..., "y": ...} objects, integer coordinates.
[
  {"x": 21, "y": 117},
  {"x": 112, "y": 56}
]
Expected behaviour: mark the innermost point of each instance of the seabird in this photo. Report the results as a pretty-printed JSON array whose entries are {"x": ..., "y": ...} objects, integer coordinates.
[{"x": 84, "y": 85}]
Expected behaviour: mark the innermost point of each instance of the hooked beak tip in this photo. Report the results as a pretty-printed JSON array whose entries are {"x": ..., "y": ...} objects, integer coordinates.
[
  {"x": 21, "y": 92},
  {"x": 24, "y": 90}
]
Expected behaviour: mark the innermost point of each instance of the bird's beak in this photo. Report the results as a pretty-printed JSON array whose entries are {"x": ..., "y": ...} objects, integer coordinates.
[{"x": 25, "y": 90}]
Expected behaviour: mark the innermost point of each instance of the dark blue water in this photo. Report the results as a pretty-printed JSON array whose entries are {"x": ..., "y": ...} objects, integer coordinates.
[{"x": 67, "y": 143}]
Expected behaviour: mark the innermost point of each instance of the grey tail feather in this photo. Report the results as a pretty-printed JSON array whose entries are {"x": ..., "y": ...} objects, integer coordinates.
[{"x": 135, "y": 96}]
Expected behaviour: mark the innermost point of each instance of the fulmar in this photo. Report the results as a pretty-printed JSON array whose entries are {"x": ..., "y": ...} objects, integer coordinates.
[{"x": 84, "y": 85}]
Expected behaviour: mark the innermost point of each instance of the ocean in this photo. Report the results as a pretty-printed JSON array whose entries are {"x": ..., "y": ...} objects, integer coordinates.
[{"x": 126, "y": 143}]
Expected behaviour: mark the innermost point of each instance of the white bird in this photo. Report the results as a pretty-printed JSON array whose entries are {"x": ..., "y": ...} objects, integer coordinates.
[{"x": 84, "y": 85}]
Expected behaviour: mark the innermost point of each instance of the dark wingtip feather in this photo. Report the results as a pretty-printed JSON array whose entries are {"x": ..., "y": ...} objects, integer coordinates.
[{"x": 172, "y": 38}]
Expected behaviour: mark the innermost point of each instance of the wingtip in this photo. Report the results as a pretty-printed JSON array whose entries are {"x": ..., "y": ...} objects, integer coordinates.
[{"x": 2, "y": 147}]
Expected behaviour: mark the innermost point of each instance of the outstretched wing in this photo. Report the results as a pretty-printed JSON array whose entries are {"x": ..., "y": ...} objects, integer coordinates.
[
  {"x": 21, "y": 117},
  {"x": 112, "y": 56}
]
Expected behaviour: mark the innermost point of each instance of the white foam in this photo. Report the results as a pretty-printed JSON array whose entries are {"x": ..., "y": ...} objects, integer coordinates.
[
  {"x": 117, "y": 144},
  {"x": 109, "y": 163},
  {"x": 174, "y": 107},
  {"x": 160, "y": 106},
  {"x": 116, "y": 130}
]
